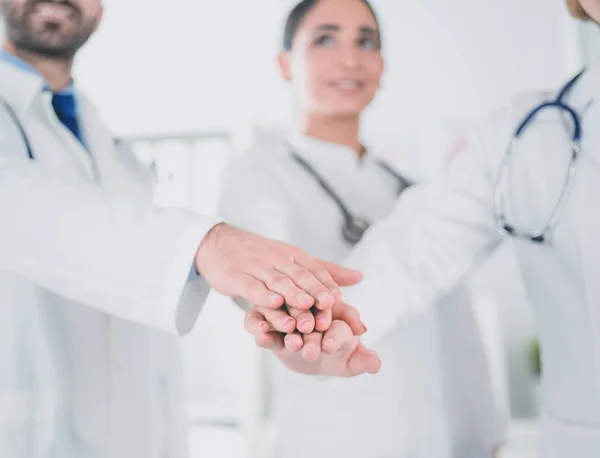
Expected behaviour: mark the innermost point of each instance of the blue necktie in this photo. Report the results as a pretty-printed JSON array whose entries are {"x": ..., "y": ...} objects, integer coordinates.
[{"x": 66, "y": 109}]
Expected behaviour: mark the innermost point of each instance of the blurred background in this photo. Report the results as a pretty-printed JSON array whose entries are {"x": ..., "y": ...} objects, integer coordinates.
[{"x": 188, "y": 81}]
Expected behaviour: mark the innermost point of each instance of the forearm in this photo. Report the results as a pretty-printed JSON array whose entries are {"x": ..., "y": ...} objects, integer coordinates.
[{"x": 123, "y": 257}]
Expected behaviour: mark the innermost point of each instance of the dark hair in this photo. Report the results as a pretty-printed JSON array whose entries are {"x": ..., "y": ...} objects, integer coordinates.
[{"x": 298, "y": 14}]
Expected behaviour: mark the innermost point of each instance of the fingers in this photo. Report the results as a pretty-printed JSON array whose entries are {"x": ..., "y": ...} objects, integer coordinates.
[
  {"x": 336, "y": 336},
  {"x": 287, "y": 319},
  {"x": 278, "y": 320},
  {"x": 363, "y": 361},
  {"x": 305, "y": 320},
  {"x": 266, "y": 272},
  {"x": 341, "y": 275},
  {"x": 284, "y": 284},
  {"x": 323, "y": 320},
  {"x": 272, "y": 341},
  {"x": 293, "y": 342},
  {"x": 309, "y": 276},
  {"x": 255, "y": 322},
  {"x": 255, "y": 292},
  {"x": 312, "y": 346},
  {"x": 344, "y": 312}
]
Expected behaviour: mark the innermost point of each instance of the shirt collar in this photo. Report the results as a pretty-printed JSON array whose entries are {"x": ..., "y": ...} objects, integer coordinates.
[
  {"x": 319, "y": 151},
  {"x": 26, "y": 67}
]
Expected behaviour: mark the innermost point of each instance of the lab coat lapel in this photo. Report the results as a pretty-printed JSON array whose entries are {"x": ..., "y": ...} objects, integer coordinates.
[
  {"x": 23, "y": 91},
  {"x": 117, "y": 169},
  {"x": 588, "y": 221},
  {"x": 586, "y": 101},
  {"x": 84, "y": 160}
]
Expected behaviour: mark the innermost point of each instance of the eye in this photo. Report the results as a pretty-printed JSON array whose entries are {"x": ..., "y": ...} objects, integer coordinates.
[
  {"x": 324, "y": 40},
  {"x": 368, "y": 43}
]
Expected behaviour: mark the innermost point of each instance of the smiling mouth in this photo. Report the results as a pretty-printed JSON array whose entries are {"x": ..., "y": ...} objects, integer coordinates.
[
  {"x": 54, "y": 12},
  {"x": 348, "y": 85}
]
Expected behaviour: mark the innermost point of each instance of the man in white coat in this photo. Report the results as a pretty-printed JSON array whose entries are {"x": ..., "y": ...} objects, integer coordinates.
[
  {"x": 409, "y": 262},
  {"x": 94, "y": 280}
]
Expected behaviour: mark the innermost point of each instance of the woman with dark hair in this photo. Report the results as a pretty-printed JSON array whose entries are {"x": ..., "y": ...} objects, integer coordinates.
[
  {"x": 432, "y": 398},
  {"x": 529, "y": 174}
]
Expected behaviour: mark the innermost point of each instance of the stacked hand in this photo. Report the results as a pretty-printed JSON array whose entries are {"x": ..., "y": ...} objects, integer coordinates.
[
  {"x": 325, "y": 342},
  {"x": 314, "y": 332}
]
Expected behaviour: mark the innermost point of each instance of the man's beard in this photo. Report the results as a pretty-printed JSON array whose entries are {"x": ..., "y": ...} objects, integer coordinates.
[{"x": 48, "y": 39}]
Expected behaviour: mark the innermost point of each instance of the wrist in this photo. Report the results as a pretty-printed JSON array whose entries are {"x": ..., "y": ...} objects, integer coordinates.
[{"x": 209, "y": 241}]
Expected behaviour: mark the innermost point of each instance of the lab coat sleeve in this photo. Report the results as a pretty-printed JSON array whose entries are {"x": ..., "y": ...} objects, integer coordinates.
[
  {"x": 122, "y": 257},
  {"x": 435, "y": 235}
]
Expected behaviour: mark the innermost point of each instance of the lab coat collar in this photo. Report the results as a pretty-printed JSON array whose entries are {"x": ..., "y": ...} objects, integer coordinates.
[
  {"x": 585, "y": 100},
  {"x": 321, "y": 152},
  {"x": 587, "y": 90},
  {"x": 24, "y": 86},
  {"x": 27, "y": 67}
]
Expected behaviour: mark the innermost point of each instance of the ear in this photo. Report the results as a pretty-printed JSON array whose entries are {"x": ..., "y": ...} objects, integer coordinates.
[
  {"x": 100, "y": 16},
  {"x": 382, "y": 69},
  {"x": 283, "y": 62}
]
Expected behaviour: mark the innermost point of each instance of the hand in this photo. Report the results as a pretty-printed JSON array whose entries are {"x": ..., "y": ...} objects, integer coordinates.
[
  {"x": 267, "y": 272},
  {"x": 342, "y": 355},
  {"x": 286, "y": 319},
  {"x": 336, "y": 353}
]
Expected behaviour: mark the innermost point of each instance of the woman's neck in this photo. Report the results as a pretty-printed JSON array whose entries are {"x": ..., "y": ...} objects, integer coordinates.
[{"x": 341, "y": 131}]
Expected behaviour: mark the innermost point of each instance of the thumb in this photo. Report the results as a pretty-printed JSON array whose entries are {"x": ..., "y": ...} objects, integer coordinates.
[
  {"x": 343, "y": 276},
  {"x": 363, "y": 361},
  {"x": 348, "y": 314}
]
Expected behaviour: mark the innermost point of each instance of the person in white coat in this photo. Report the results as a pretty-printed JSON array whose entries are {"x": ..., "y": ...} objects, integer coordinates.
[
  {"x": 543, "y": 197},
  {"x": 95, "y": 282},
  {"x": 433, "y": 396}
]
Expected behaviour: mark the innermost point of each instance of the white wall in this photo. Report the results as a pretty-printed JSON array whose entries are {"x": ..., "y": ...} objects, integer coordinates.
[{"x": 199, "y": 64}]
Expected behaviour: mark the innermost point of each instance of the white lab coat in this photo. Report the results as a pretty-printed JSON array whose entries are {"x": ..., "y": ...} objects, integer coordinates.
[
  {"x": 87, "y": 269},
  {"x": 432, "y": 398},
  {"x": 409, "y": 262}
]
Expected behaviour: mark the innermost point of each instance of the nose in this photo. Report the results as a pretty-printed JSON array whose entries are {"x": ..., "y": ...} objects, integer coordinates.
[{"x": 349, "y": 57}]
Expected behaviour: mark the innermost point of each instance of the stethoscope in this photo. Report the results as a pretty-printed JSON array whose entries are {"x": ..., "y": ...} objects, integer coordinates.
[
  {"x": 354, "y": 226},
  {"x": 542, "y": 234},
  {"x": 19, "y": 126}
]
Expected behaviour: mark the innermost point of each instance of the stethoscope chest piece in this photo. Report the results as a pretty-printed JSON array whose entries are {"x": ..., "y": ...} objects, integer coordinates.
[{"x": 354, "y": 228}]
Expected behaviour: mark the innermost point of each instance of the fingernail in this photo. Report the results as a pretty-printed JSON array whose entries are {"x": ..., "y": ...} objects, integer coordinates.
[
  {"x": 329, "y": 340},
  {"x": 264, "y": 326},
  {"x": 298, "y": 339},
  {"x": 336, "y": 291},
  {"x": 305, "y": 323},
  {"x": 288, "y": 320},
  {"x": 364, "y": 328},
  {"x": 274, "y": 298}
]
